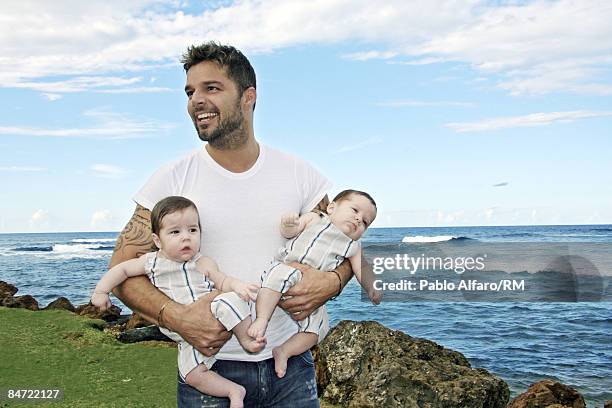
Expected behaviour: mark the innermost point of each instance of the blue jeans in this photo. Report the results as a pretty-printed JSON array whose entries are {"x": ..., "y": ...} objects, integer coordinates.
[{"x": 297, "y": 389}]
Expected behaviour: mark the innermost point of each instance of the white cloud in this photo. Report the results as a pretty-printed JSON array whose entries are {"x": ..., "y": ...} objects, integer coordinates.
[
  {"x": 367, "y": 55},
  {"x": 534, "y": 119},
  {"x": 19, "y": 169},
  {"x": 529, "y": 47},
  {"x": 360, "y": 145},
  {"x": 110, "y": 125},
  {"x": 51, "y": 97},
  {"x": 101, "y": 219},
  {"x": 413, "y": 103},
  {"x": 39, "y": 219},
  {"x": 107, "y": 171}
]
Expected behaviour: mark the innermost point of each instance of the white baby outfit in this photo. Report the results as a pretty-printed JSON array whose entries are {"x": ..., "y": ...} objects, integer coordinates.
[
  {"x": 183, "y": 283},
  {"x": 324, "y": 247}
]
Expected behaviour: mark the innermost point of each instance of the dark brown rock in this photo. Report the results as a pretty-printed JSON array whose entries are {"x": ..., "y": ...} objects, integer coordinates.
[
  {"x": 93, "y": 312},
  {"x": 548, "y": 394},
  {"x": 608, "y": 404},
  {"x": 136, "y": 321},
  {"x": 24, "y": 302},
  {"x": 7, "y": 290},
  {"x": 60, "y": 303},
  {"x": 364, "y": 364},
  {"x": 142, "y": 334}
]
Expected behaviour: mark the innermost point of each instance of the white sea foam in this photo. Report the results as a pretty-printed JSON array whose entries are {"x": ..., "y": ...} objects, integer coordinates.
[
  {"x": 423, "y": 239},
  {"x": 95, "y": 240}
]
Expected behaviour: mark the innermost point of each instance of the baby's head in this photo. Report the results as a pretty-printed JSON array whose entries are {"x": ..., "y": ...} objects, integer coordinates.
[
  {"x": 352, "y": 212},
  {"x": 176, "y": 228}
]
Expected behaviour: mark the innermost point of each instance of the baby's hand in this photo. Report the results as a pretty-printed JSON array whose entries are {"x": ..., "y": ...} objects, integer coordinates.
[
  {"x": 290, "y": 220},
  {"x": 246, "y": 291},
  {"x": 101, "y": 301}
]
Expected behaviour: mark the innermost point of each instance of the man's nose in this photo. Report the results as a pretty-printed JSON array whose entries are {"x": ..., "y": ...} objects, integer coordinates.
[{"x": 198, "y": 98}]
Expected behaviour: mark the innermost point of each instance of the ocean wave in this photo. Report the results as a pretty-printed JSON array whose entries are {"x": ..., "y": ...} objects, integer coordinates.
[
  {"x": 519, "y": 234},
  {"x": 94, "y": 240},
  {"x": 79, "y": 248},
  {"x": 64, "y": 251},
  {"x": 420, "y": 239}
]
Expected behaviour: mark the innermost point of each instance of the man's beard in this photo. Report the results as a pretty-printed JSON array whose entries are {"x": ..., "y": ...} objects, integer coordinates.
[{"x": 230, "y": 133}]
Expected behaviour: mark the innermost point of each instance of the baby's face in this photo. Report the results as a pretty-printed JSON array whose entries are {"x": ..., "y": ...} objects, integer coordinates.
[
  {"x": 352, "y": 215},
  {"x": 179, "y": 235}
]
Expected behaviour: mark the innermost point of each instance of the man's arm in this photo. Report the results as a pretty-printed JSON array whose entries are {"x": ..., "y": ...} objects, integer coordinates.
[
  {"x": 194, "y": 322},
  {"x": 316, "y": 287}
]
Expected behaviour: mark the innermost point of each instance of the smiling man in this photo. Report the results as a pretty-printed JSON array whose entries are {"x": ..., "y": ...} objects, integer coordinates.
[{"x": 241, "y": 189}]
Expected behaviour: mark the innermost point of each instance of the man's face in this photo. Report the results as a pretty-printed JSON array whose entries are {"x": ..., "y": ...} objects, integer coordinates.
[
  {"x": 352, "y": 215},
  {"x": 215, "y": 106}
]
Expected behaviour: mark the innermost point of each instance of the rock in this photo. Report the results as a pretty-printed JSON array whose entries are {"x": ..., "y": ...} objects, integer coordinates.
[
  {"x": 142, "y": 334},
  {"x": 548, "y": 394},
  {"x": 364, "y": 364},
  {"x": 91, "y": 311},
  {"x": 608, "y": 404},
  {"x": 7, "y": 290},
  {"x": 24, "y": 302},
  {"x": 60, "y": 303},
  {"x": 136, "y": 321}
]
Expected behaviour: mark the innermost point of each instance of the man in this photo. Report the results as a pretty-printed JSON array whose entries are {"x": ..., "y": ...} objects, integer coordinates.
[{"x": 241, "y": 189}]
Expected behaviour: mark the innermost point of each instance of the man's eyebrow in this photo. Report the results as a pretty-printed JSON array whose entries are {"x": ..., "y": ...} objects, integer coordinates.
[{"x": 213, "y": 82}]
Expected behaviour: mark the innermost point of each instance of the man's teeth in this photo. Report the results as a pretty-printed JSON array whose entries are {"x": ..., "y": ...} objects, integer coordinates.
[{"x": 207, "y": 115}]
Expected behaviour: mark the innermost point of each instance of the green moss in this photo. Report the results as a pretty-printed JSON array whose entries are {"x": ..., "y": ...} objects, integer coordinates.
[{"x": 56, "y": 349}]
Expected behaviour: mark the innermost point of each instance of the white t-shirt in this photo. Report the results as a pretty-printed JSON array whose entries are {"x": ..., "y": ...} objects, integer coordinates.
[{"x": 240, "y": 216}]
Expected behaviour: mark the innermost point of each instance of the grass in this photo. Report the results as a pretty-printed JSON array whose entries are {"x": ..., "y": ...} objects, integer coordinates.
[{"x": 57, "y": 349}]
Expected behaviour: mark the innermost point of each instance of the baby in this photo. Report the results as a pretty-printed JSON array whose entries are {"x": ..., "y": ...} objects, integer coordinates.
[
  {"x": 323, "y": 242},
  {"x": 183, "y": 274}
]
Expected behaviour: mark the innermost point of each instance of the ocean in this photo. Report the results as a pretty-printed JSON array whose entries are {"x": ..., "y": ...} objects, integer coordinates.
[{"x": 520, "y": 341}]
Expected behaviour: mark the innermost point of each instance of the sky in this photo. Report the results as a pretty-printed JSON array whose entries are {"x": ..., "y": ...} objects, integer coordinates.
[{"x": 449, "y": 113}]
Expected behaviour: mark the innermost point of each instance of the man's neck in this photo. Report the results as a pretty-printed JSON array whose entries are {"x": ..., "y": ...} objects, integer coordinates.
[{"x": 236, "y": 160}]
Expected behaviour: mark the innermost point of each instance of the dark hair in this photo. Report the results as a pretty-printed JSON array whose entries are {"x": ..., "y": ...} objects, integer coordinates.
[
  {"x": 237, "y": 66},
  {"x": 343, "y": 195},
  {"x": 167, "y": 206}
]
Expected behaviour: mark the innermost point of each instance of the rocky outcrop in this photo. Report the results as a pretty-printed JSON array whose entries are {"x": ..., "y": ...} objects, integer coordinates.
[
  {"x": 136, "y": 321},
  {"x": 60, "y": 303},
  {"x": 548, "y": 394},
  {"x": 142, "y": 334},
  {"x": 24, "y": 302},
  {"x": 364, "y": 364},
  {"x": 93, "y": 312},
  {"x": 6, "y": 290}
]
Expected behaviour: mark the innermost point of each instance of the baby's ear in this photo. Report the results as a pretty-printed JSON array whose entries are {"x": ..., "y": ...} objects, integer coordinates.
[
  {"x": 156, "y": 241},
  {"x": 331, "y": 207}
]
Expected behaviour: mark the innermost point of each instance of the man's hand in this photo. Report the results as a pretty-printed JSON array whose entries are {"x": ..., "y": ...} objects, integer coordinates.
[
  {"x": 315, "y": 288},
  {"x": 197, "y": 325}
]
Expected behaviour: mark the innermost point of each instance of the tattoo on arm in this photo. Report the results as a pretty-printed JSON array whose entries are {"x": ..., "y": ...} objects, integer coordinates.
[
  {"x": 322, "y": 206},
  {"x": 135, "y": 239}
]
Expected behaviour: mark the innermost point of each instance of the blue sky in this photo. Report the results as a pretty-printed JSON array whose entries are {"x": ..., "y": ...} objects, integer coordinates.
[{"x": 448, "y": 113}]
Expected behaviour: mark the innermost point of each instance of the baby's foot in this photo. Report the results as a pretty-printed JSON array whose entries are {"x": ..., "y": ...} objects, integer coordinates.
[
  {"x": 257, "y": 329},
  {"x": 253, "y": 345},
  {"x": 375, "y": 296},
  {"x": 280, "y": 361},
  {"x": 236, "y": 396}
]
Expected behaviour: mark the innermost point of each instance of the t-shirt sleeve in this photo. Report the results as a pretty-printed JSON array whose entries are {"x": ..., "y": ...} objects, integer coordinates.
[
  {"x": 312, "y": 185},
  {"x": 160, "y": 185}
]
